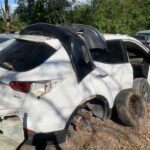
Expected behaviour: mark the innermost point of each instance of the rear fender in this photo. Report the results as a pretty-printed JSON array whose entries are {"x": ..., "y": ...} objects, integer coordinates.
[{"x": 100, "y": 107}]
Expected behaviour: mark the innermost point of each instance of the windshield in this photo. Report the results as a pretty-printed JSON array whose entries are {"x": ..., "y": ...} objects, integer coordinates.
[{"x": 22, "y": 56}]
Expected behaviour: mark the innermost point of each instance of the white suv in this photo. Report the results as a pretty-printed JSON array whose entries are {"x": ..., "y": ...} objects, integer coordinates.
[{"x": 49, "y": 71}]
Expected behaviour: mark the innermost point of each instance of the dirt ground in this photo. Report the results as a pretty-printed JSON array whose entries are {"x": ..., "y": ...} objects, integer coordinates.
[{"x": 105, "y": 135}]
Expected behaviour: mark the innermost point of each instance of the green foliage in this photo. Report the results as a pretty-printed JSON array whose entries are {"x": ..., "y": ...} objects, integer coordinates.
[
  {"x": 114, "y": 16},
  {"x": 87, "y": 147},
  {"x": 2, "y": 25},
  {"x": 80, "y": 14},
  {"x": 50, "y": 11},
  {"x": 5, "y": 16}
]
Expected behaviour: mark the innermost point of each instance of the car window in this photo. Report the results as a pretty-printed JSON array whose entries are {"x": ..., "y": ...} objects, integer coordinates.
[
  {"x": 135, "y": 52},
  {"x": 115, "y": 54},
  {"x": 2, "y": 39},
  {"x": 22, "y": 56},
  {"x": 148, "y": 34}
]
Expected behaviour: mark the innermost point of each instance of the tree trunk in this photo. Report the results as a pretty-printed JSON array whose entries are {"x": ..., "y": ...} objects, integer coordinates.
[{"x": 8, "y": 18}]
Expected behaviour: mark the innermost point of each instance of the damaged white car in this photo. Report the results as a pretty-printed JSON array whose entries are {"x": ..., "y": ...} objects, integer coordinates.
[
  {"x": 139, "y": 57},
  {"x": 50, "y": 71}
]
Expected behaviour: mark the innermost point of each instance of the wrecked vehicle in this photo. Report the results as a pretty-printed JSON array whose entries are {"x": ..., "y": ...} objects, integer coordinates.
[
  {"x": 139, "y": 57},
  {"x": 144, "y": 37},
  {"x": 49, "y": 72}
]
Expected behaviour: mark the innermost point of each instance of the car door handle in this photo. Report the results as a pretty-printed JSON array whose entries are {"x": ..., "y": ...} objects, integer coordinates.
[{"x": 101, "y": 75}]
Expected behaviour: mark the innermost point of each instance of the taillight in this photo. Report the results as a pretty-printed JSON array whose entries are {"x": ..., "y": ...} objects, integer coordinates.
[{"x": 21, "y": 86}]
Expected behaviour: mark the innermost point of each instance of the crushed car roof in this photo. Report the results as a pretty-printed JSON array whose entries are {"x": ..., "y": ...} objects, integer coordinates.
[
  {"x": 73, "y": 44},
  {"x": 93, "y": 38}
]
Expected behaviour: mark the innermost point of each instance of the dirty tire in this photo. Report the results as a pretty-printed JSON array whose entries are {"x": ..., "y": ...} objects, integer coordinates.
[
  {"x": 131, "y": 108},
  {"x": 142, "y": 86}
]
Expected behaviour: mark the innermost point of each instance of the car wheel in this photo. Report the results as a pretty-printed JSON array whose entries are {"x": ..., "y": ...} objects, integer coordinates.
[
  {"x": 142, "y": 86},
  {"x": 131, "y": 108}
]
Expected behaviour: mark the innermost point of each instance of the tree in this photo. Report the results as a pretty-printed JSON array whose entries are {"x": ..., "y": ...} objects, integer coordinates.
[
  {"x": 114, "y": 16},
  {"x": 5, "y": 15},
  {"x": 80, "y": 14},
  {"x": 50, "y": 11}
]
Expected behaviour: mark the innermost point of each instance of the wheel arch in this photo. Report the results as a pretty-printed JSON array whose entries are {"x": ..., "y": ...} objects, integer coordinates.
[{"x": 98, "y": 105}]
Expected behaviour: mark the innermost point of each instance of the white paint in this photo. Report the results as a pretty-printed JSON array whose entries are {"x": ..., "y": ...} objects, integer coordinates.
[
  {"x": 46, "y": 71},
  {"x": 51, "y": 111},
  {"x": 148, "y": 78},
  {"x": 6, "y": 43},
  {"x": 126, "y": 38},
  {"x": 110, "y": 79}
]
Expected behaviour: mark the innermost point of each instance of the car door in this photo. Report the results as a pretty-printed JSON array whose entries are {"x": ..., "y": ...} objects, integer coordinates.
[
  {"x": 113, "y": 72},
  {"x": 139, "y": 57}
]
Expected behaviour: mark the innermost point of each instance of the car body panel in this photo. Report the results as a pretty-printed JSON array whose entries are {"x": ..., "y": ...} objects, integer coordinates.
[
  {"x": 64, "y": 81},
  {"x": 59, "y": 60},
  {"x": 126, "y": 38},
  {"x": 57, "y": 105},
  {"x": 114, "y": 79},
  {"x": 11, "y": 127},
  {"x": 73, "y": 44}
]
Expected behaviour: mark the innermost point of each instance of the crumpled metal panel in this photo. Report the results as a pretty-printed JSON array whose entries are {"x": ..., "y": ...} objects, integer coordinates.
[{"x": 11, "y": 132}]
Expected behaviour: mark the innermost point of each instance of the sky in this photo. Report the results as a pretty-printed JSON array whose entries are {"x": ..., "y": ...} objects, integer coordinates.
[
  {"x": 13, "y": 1},
  {"x": 12, "y": 4},
  {"x": 10, "y": 1}
]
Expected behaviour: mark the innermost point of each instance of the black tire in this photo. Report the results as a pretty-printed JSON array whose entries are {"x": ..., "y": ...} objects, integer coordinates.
[
  {"x": 142, "y": 86},
  {"x": 131, "y": 108}
]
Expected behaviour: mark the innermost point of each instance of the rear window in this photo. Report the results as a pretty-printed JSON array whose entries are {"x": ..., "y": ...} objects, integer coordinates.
[
  {"x": 3, "y": 39},
  {"x": 22, "y": 56}
]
